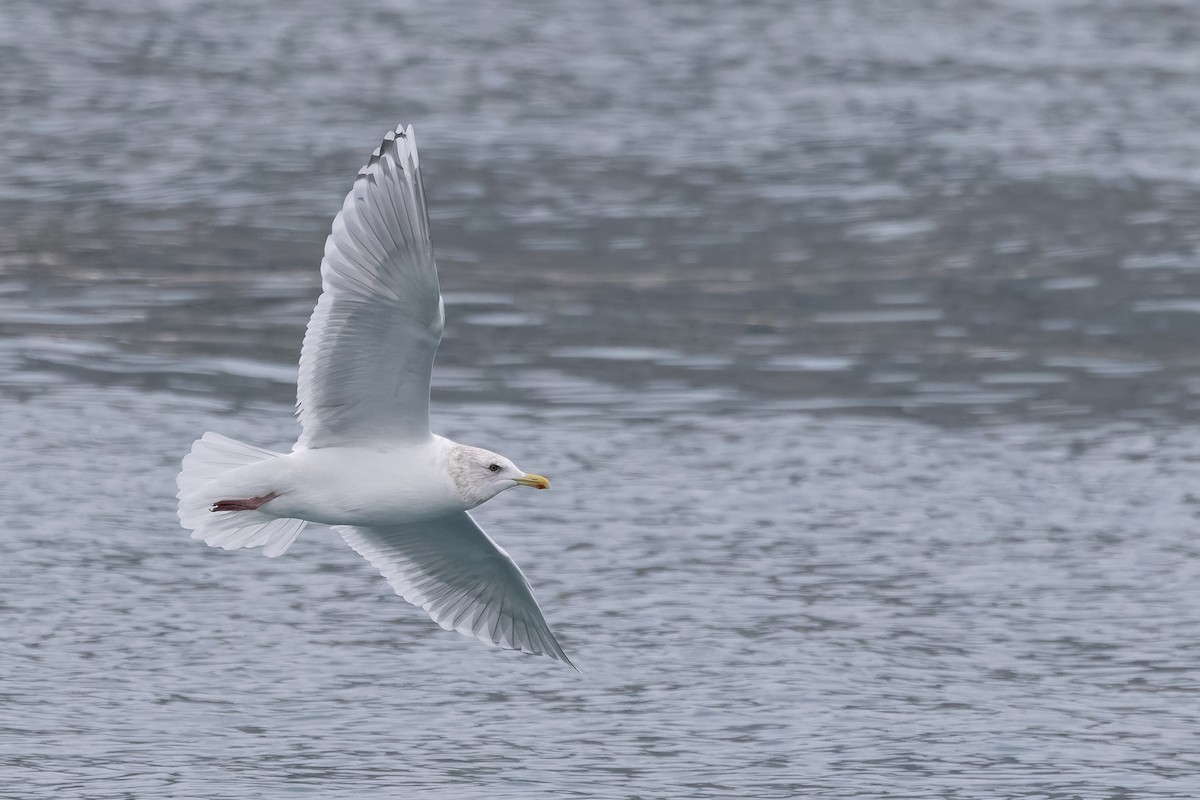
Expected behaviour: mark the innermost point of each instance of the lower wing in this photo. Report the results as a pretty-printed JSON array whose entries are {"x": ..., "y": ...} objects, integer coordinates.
[{"x": 464, "y": 581}]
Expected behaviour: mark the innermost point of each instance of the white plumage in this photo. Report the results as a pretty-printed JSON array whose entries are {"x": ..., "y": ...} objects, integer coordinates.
[{"x": 366, "y": 461}]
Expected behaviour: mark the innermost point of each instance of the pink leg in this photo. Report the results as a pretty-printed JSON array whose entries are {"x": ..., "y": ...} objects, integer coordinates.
[{"x": 249, "y": 504}]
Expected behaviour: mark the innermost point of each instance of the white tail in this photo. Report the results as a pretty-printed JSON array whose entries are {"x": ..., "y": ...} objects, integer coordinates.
[{"x": 213, "y": 458}]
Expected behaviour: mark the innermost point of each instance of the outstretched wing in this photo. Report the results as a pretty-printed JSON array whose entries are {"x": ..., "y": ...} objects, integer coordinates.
[
  {"x": 465, "y": 581},
  {"x": 368, "y": 352}
]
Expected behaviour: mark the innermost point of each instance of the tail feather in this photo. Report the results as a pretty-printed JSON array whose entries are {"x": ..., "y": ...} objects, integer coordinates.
[{"x": 208, "y": 477}]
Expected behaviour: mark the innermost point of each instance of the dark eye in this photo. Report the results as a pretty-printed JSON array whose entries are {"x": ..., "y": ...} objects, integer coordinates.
[{"x": 494, "y": 467}]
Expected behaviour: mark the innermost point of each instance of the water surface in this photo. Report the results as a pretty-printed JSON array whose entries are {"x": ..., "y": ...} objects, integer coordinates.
[{"x": 858, "y": 341}]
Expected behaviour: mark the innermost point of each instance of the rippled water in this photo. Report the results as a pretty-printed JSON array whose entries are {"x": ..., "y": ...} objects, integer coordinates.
[
  {"x": 774, "y": 606},
  {"x": 858, "y": 341}
]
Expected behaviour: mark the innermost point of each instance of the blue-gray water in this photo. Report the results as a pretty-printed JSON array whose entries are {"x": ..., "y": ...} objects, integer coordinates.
[{"x": 859, "y": 342}]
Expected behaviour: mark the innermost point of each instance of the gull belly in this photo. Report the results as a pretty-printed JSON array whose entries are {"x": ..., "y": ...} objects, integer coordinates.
[{"x": 365, "y": 486}]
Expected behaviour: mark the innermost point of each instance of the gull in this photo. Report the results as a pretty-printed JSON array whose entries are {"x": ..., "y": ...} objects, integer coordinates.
[{"x": 366, "y": 462}]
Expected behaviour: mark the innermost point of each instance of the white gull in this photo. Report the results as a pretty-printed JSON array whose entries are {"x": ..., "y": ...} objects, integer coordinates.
[{"x": 366, "y": 461}]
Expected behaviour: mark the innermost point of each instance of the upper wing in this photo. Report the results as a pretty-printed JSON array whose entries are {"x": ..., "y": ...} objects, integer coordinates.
[
  {"x": 452, "y": 569},
  {"x": 368, "y": 352}
]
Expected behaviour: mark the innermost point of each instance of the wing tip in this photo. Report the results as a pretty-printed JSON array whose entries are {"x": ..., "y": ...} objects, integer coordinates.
[
  {"x": 561, "y": 656},
  {"x": 397, "y": 142},
  {"x": 554, "y": 650},
  {"x": 549, "y": 649},
  {"x": 389, "y": 147}
]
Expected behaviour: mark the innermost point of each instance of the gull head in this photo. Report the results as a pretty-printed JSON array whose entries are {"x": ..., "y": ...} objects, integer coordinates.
[{"x": 481, "y": 474}]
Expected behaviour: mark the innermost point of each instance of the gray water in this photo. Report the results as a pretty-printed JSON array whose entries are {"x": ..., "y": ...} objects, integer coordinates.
[{"x": 857, "y": 339}]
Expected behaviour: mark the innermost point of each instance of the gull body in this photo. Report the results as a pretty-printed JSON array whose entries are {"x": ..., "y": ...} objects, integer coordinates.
[
  {"x": 382, "y": 485},
  {"x": 366, "y": 462},
  {"x": 346, "y": 487}
]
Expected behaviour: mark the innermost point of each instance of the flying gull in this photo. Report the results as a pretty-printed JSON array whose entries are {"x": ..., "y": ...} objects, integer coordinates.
[{"x": 366, "y": 462}]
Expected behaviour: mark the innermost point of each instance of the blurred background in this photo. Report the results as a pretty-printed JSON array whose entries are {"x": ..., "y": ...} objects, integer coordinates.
[
  {"x": 858, "y": 337},
  {"x": 959, "y": 213}
]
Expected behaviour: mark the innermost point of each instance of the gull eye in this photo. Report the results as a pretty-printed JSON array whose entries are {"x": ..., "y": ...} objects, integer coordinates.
[{"x": 494, "y": 467}]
